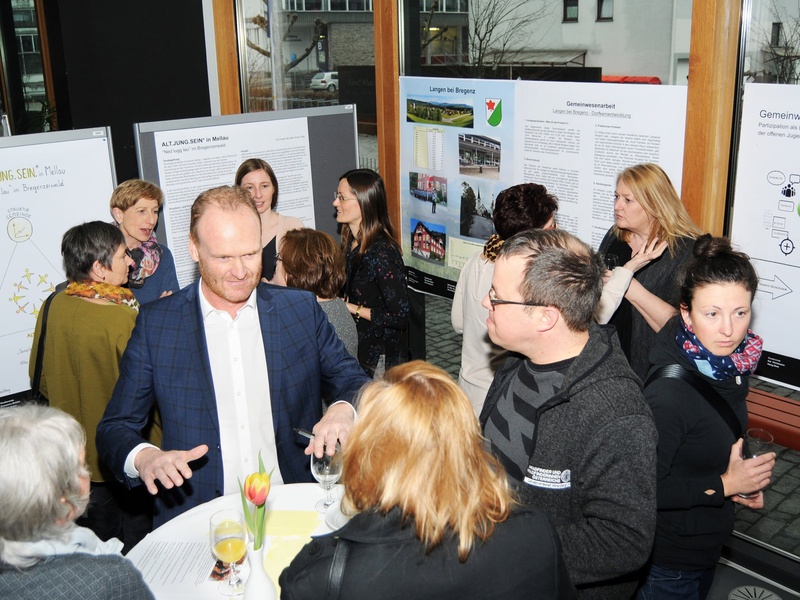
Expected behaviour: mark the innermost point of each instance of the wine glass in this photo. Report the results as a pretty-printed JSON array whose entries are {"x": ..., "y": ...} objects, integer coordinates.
[
  {"x": 228, "y": 545},
  {"x": 756, "y": 442},
  {"x": 327, "y": 471}
]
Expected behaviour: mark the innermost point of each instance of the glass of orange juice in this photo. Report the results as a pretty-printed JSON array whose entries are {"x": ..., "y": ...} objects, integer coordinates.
[{"x": 228, "y": 543}]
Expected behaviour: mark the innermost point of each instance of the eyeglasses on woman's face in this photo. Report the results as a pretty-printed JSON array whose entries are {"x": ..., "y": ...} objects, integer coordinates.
[
  {"x": 495, "y": 301},
  {"x": 340, "y": 198}
]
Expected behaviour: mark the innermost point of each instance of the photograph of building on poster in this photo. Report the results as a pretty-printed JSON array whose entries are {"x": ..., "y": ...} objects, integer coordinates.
[
  {"x": 478, "y": 156},
  {"x": 428, "y": 241},
  {"x": 571, "y": 137},
  {"x": 766, "y": 221}
]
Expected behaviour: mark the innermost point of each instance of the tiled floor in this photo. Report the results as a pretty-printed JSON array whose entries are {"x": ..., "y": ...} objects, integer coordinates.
[{"x": 778, "y": 524}]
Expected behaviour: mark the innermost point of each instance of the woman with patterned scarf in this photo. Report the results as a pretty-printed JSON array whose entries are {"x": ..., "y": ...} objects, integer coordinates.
[
  {"x": 521, "y": 207},
  {"x": 700, "y": 414},
  {"x": 135, "y": 205},
  {"x": 88, "y": 327}
]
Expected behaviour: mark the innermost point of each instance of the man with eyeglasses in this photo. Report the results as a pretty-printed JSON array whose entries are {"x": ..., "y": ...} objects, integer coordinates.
[{"x": 566, "y": 416}]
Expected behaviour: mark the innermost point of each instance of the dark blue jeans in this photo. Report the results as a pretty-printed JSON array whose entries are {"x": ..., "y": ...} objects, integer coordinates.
[{"x": 663, "y": 583}]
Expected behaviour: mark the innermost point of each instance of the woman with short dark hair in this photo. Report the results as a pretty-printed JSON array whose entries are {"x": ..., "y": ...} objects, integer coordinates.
[
  {"x": 44, "y": 487},
  {"x": 88, "y": 327}
]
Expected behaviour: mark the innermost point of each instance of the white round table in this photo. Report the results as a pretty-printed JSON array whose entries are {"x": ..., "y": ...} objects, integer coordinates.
[{"x": 176, "y": 558}]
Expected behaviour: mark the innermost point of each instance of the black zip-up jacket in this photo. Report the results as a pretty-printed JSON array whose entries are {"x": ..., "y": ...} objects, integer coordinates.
[{"x": 593, "y": 466}]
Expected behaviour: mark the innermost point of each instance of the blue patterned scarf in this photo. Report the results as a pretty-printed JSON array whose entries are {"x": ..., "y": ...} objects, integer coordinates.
[{"x": 741, "y": 361}]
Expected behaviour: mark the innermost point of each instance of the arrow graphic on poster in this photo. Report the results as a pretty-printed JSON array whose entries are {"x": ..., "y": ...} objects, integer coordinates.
[{"x": 775, "y": 287}]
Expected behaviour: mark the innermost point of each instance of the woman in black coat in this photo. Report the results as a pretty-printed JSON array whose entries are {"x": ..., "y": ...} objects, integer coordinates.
[
  {"x": 434, "y": 518},
  {"x": 700, "y": 467}
]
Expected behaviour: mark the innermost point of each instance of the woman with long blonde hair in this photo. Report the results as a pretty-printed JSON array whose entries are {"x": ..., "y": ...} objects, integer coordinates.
[
  {"x": 434, "y": 516},
  {"x": 652, "y": 239}
]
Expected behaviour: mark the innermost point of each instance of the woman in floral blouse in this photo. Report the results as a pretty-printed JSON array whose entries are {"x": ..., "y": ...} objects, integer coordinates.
[{"x": 375, "y": 291}]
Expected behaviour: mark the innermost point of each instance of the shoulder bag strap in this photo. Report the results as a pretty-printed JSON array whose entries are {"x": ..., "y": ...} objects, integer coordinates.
[
  {"x": 705, "y": 389},
  {"x": 337, "y": 569},
  {"x": 37, "y": 372}
]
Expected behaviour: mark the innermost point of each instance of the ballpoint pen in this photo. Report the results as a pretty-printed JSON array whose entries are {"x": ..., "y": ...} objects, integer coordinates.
[{"x": 311, "y": 436}]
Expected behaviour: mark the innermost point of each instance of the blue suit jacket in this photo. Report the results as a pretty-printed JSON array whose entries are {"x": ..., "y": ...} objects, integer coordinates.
[{"x": 166, "y": 363}]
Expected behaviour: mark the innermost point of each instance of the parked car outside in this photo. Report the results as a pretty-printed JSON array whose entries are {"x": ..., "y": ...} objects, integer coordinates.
[{"x": 328, "y": 80}]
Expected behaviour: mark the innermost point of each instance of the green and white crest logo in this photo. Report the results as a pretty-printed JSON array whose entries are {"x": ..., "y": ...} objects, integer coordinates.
[{"x": 494, "y": 111}]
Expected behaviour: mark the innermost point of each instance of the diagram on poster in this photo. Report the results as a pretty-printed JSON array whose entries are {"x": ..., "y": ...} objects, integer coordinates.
[
  {"x": 464, "y": 141},
  {"x": 766, "y": 220},
  {"x": 48, "y": 183}
]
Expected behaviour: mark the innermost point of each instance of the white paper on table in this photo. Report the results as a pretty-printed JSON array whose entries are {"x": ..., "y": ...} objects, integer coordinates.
[{"x": 177, "y": 567}]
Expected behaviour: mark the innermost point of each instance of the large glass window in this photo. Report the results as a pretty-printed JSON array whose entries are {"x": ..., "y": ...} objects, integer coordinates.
[{"x": 771, "y": 36}]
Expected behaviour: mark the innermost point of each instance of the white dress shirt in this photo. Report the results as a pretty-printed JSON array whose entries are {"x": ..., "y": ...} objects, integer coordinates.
[{"x": 241, "y": 388}]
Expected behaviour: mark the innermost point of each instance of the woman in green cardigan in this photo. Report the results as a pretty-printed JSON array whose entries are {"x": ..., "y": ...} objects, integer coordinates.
[{"x": 88, "y": 327}]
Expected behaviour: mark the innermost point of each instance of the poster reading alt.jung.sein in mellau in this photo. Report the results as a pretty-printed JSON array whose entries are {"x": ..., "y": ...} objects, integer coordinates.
[{"x": 464, "y": 141}]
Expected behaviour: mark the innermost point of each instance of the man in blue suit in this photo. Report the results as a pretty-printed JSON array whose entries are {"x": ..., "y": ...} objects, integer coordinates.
[{"x": 197, "y": 355}]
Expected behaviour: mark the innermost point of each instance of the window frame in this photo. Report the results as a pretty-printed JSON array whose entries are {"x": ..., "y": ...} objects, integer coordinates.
[
  {"x": 570, "y": 5},
  {"x": 600, "y": 5}
]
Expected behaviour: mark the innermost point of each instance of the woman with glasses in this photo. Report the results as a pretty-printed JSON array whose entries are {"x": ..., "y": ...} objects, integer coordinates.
[
  {"x": 258, "y": 178},
  {"x": 135, "y": 205},
  {"x": 434, "y": 515},
  {"x": 88, "y": 327},
  {"x": 375, "y": 291},
  {"x": 652, "y": 238},
  {"x": 521, "y": 207}
]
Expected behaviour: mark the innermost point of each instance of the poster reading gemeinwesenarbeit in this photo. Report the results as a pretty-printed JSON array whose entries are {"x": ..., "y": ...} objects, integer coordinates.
[
  {"x": 464, "y": 141},
  {"x": 766, "y": 220}
]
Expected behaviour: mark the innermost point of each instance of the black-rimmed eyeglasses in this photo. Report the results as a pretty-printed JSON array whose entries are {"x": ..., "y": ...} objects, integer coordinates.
[
  {"x": 340, "y": 198},
  {"x": 495, "y": 301}
]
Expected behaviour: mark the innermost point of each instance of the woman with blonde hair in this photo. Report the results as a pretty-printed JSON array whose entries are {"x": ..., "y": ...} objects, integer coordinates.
[
  {"x": 652, "y": 238},
  {"x": 135, "y": 205},
  {"x": 434, "y": 517}
]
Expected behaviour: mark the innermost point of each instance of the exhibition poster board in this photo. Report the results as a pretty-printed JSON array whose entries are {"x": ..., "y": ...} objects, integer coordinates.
[
  {"x": 766, "y": 220},
  {"x": 463, "y": 141},
  {"x": 49, "y": 182},
  {"x": 307, "y": 148}
]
